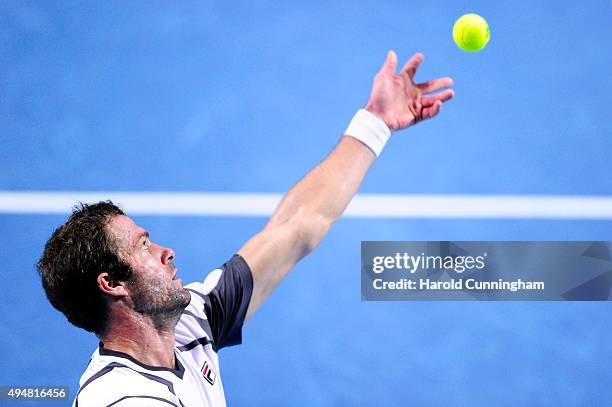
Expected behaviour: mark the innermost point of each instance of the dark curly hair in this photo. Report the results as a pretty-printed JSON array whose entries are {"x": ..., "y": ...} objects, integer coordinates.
[{"x": 74, "y": 256}]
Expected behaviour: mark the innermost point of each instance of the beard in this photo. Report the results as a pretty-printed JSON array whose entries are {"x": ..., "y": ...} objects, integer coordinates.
[{"x": 158, "y": 298}]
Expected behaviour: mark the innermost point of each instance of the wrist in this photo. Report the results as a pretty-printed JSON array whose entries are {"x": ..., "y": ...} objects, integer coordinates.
[
  {"x": 370, "y": 108},
  {"x": 370, "y": 129}
]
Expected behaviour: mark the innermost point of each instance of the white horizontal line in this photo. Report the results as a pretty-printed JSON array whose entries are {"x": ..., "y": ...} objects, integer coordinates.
[{"x": 363, "y": 206}]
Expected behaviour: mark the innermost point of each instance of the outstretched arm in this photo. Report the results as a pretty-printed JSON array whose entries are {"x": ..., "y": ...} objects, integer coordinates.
[{"x": 309, "y": 209}]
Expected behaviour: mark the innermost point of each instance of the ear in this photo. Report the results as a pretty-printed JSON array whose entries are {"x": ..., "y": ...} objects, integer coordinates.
[{"x": 111, "y": 287}]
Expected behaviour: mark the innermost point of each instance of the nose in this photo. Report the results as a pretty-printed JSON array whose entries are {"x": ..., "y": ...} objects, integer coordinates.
[{"x": 167, "y": 255}]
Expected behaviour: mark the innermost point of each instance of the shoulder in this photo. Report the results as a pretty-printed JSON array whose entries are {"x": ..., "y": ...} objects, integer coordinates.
[
  {"x": 218, "y": 307},
  {"x": 235, "y": 270}
]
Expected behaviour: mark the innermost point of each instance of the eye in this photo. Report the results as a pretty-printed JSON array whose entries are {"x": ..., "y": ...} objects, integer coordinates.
[{"x": 145, "y": 244}]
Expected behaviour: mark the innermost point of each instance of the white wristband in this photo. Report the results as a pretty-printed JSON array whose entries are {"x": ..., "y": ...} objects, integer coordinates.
[{"x": 370, "y": 130}]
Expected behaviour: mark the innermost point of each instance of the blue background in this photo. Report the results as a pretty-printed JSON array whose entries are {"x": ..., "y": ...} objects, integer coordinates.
[{"x": 246, "y": 97}]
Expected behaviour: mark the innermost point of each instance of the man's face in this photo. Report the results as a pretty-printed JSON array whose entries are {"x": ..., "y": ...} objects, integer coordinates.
[{"x": 153, "y": 288}]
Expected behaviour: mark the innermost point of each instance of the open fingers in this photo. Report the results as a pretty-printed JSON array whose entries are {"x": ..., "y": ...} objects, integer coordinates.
[
  {"x": 435, "y": 84},
  {"x": 431, "y": 111},
  {"x": 413, "y": 64},
  {"x": 430, "y": 100},
  {"x": 390, "y": 64}
]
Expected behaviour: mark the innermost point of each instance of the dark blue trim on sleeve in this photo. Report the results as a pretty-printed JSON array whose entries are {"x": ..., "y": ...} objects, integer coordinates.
[{"x": 227, "y": 303}]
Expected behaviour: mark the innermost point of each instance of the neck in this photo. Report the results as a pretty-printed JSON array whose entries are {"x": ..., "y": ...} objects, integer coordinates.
[{"x": 142, "y": 338}]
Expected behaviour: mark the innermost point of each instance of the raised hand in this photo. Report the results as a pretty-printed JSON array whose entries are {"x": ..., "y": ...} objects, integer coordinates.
[{"x": 399, "y": 101}]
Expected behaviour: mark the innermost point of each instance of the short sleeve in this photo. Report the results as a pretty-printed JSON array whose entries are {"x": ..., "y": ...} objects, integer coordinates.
[{"x": 222, "y": 301}]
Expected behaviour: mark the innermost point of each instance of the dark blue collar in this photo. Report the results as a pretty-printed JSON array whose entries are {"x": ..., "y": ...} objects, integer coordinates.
[{"x": 179, "y": 369}]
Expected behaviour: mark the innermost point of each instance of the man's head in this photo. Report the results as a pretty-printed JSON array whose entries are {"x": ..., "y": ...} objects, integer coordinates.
[
  {"x": 152, "y": 289},
  {"x": 100, "y": 259}
]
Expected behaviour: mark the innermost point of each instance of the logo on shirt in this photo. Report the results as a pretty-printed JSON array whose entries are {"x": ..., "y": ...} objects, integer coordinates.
[{"x": 208, "y": 373}]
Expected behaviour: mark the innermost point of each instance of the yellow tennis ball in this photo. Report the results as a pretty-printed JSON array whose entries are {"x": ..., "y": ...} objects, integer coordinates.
[{"x": 471, "y": 32}]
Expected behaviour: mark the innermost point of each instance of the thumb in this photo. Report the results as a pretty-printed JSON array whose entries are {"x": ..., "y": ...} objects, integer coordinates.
[{"x": 390, "y": 65}]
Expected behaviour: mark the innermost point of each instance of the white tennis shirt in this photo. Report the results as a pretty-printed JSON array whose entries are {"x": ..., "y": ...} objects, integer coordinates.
[{"x": 212, "y": 320}]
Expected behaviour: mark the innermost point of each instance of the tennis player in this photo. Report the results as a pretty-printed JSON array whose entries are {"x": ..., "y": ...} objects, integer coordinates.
[{"x": 159, "y": 339}]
